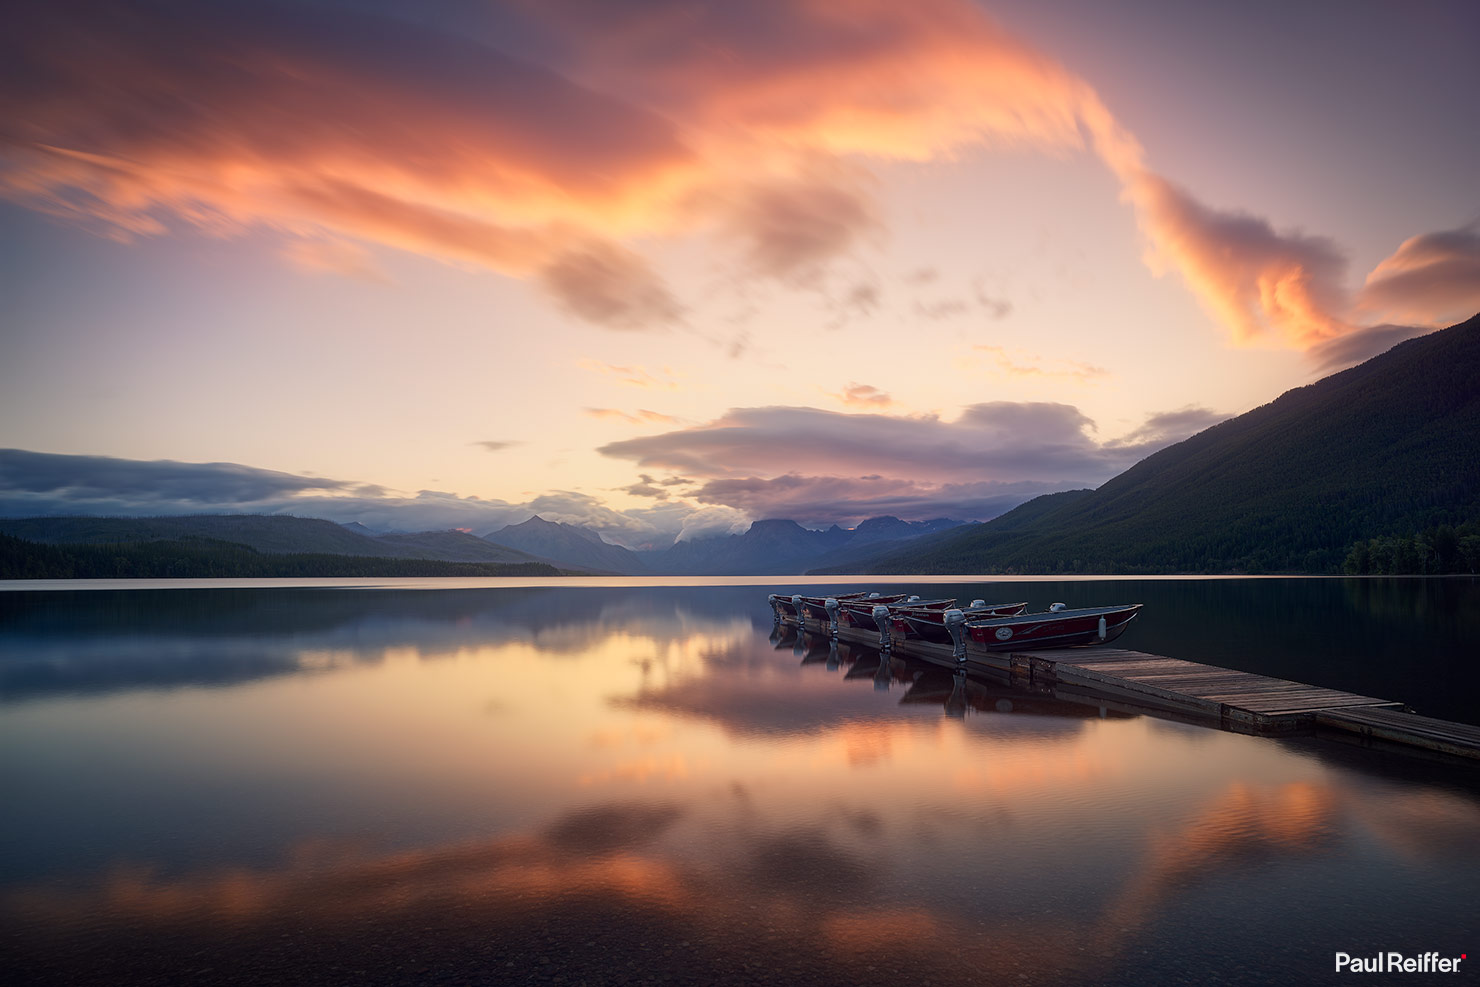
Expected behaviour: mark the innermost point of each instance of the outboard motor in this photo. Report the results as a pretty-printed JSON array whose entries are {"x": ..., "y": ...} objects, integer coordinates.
[
  {"x": 831, "y": 606},
  {"x": 978, "y": 603},
  {"x": 775, "y": 610},
  {"x": 881, "y": 618},
  {"x": 873, "y": 596},
  {"x": 913, "y": 599},
  {"x": 1056, "y": 607},
  {"x": 796, "y": 601},
  {"x": 955, "y": 622}
]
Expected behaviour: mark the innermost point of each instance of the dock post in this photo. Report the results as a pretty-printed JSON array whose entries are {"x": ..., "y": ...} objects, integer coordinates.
[
  {"x": 955, "y": 622},
  {"x": 881, "y": 618},
  {"x": 831, "y": 606}
]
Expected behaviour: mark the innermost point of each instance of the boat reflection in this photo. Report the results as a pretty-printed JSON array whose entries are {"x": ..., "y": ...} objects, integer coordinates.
[{"x": 957, "y": 690}]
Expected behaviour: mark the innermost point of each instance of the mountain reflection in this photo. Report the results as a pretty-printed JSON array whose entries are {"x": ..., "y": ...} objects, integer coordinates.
[{"x": 88, "y": 643}]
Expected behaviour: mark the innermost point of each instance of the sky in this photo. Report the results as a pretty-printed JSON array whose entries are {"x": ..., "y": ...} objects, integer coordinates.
[{"x": 667, "y": 267}]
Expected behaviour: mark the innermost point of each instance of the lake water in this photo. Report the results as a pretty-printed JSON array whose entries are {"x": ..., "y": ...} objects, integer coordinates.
[{"x": 637, "y": 783}]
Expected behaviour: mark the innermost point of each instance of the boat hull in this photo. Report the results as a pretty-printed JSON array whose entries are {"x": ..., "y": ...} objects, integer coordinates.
[
  {"x": 1050, "y": 630},
  {"x": 859, "y": 614},
  {"x": 931, "y": 625}
]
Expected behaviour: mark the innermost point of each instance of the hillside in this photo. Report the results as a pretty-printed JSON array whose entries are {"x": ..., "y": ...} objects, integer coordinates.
[
  {"x": 450, "y": 546},
  {"x": 268, "y": 533},
  {"x": 567, "y": 545},
  {"x": 1387, "y": 448},
  {"x": 192, "y": 558}
]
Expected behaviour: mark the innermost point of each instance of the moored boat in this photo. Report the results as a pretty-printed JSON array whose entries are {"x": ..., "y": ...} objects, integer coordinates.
[
  {"x": 1057, "y": 628},
  {"x": 815, "y": 607},
  {"x": 859, "y": 614},
  {"x": 930, "y": 624}
]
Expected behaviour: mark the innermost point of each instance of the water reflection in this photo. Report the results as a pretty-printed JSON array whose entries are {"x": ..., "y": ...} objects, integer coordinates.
[{"x": 610, "y": 786}]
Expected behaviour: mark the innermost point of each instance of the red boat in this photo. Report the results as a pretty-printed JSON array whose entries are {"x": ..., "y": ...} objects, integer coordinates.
[
  {"x": 815, "y": 607},
  {"x": 911, "y": 623},
  {"x": 1059, "y": 628},
  {"x": 859, "y": 614}
]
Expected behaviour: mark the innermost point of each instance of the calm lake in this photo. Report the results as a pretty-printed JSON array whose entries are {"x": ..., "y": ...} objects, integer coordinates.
[{"x": 636, "y": 783}]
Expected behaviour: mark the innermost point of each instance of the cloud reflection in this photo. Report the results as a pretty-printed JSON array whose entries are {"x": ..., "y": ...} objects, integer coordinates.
[{"x": 641, "y": 879}]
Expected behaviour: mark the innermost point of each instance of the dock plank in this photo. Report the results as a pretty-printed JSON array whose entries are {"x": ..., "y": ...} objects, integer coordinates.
[
  {"x": 1395, "y": 726},
  {"x": 1195, "y": 692}
]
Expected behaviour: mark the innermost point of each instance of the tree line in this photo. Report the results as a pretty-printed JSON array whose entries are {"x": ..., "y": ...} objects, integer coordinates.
[
  {"x": 195, "y": 558},
  {"x": 1440, "y": 550}
]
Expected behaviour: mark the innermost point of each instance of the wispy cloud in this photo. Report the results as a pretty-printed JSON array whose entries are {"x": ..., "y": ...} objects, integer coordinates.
[
  {"x": 864, "y": 396},
  {"x": 664, "y": 378},
  {"x": 1166, "y": 427},
  {"x": 791, "y": 229},
  {"x": 496, "y": 445},
  {"x": 1356, "y": 347},
  {"x": 1016, "y": 363},
  {"x": 1433, "y": 278},
  {"x": 338, "y": 124},
  {"x": 610, "y": 286},
  {"x": 347, "y": 260},
  {"x": 998, "y": 441},
  {"x": 640, "y": 417}
]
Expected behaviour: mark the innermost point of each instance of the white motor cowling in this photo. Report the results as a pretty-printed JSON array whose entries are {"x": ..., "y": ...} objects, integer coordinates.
[
  {"x": 831, "y": 606},
  {"x": 881, "y": 619}
]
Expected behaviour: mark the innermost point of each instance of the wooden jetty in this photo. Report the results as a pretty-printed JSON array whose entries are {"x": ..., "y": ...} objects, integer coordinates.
[
  {"x": 1193, "y": 692},
  {"x": 1236, "y": 700}
]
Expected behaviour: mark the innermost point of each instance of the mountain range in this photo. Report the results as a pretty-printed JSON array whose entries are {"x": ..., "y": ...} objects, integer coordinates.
[
  {"x": 769, "y": 547},
  {"x": 1326, "y": 475}
]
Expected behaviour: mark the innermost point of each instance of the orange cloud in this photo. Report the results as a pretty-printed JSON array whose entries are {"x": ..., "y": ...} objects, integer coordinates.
[
  {"x": 864, "y": 396},
  {"x": 1024, "y": 366},
  {"x": 1432, "y": 279},
  {"x": 334, "y": 257},
  {"x": 230, "y": 116},
  {"x": 665, "y": 378},
  {"x": 662, "y": 121},
  {"x": 641, "y": 417}
]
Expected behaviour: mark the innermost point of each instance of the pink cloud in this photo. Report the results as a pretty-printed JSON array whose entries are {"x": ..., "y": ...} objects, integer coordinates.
[{"x": 1433, "y": 278}]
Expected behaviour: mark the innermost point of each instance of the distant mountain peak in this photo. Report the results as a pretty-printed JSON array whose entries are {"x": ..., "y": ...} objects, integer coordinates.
[{"x": 572, "y": 544}]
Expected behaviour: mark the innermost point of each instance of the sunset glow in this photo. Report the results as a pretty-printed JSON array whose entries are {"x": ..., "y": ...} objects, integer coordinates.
[{"x": 667, "y": 269}]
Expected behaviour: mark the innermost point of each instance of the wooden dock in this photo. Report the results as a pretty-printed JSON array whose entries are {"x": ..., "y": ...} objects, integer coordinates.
[
  {"x": 1395, "y": 727},
  {"x": 1194, "y": 692}
]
